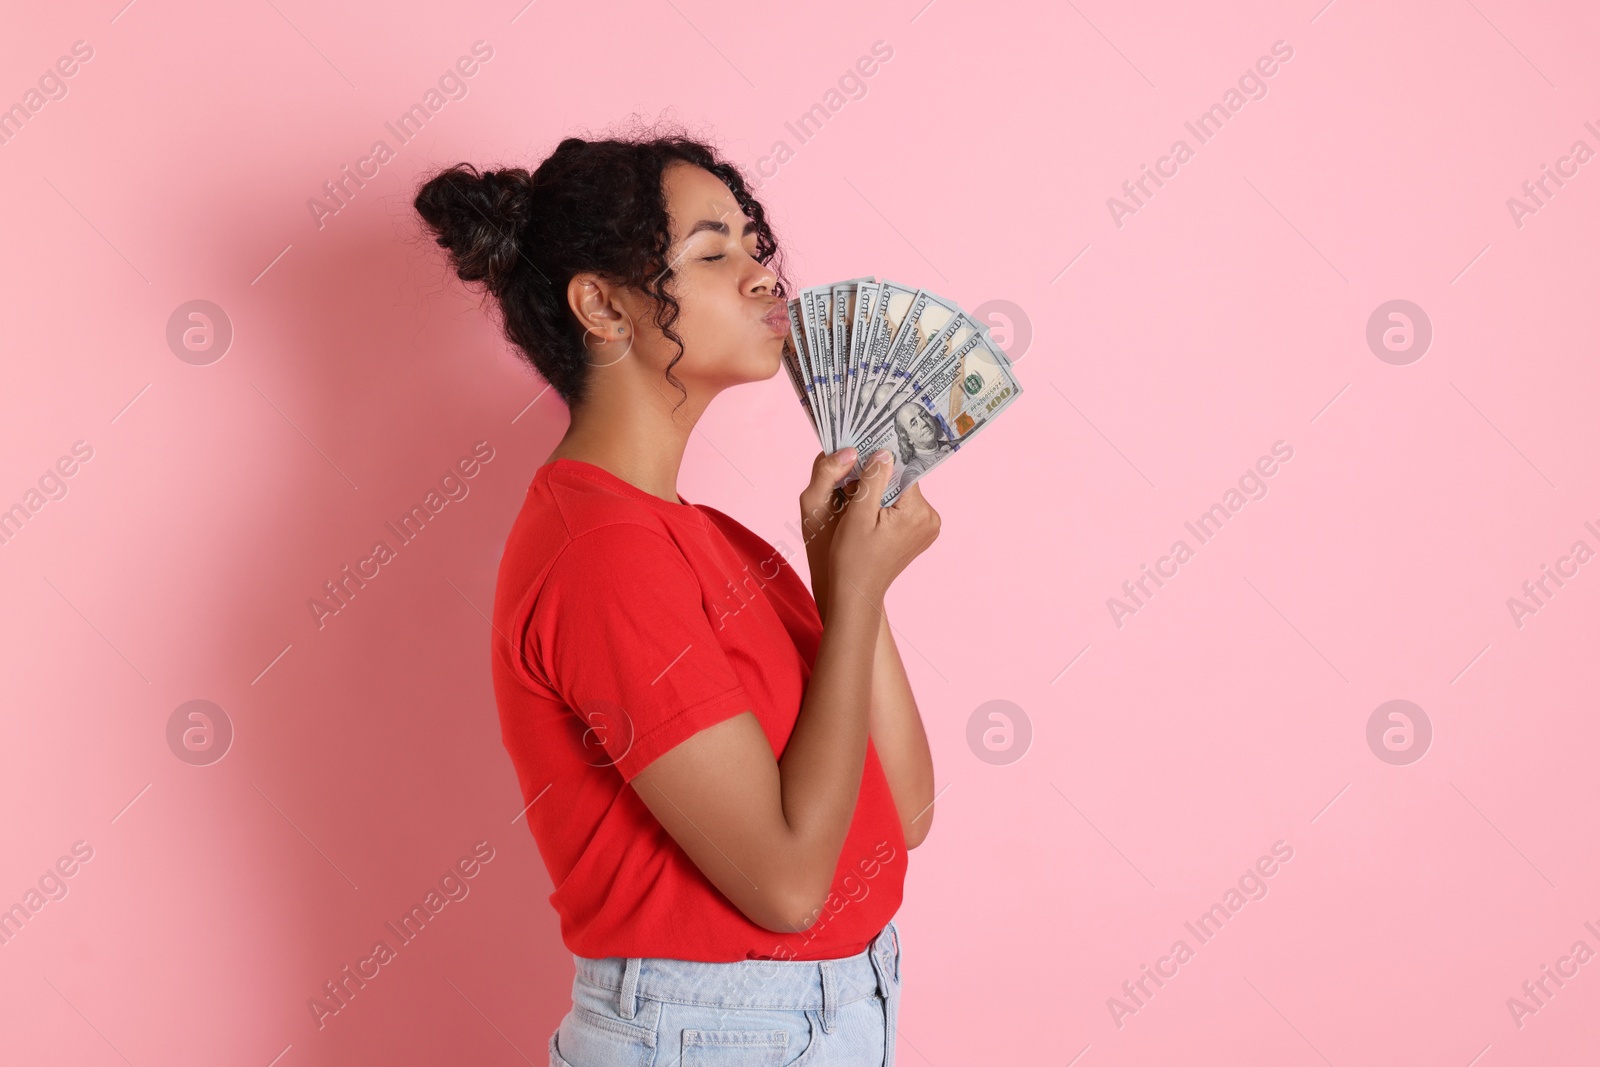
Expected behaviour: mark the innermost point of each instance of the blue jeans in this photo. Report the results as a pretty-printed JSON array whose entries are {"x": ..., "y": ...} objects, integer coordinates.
[{"x": 651, "y": 1012}]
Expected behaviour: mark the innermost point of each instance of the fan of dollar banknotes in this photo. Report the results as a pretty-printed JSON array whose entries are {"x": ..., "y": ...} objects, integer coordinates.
[{"x": 879, "y": 365}]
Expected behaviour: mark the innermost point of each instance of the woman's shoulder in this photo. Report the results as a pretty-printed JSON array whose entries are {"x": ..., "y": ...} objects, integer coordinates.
[
  {"x": 567, "y": 514},
  {"x": 578, "y": 500}
]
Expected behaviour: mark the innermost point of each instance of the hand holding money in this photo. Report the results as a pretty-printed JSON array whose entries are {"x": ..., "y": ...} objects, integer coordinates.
[
  {"x": 873, "y": 543},
  {"x": 823, "y": 500}
]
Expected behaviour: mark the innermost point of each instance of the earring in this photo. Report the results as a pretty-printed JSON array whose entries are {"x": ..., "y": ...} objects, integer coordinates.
[{"x": 621, "y": 330}]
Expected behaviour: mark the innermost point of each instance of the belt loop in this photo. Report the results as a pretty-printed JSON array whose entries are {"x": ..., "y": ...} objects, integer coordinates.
[
  {"x": 626, "y": 1005},
  {"x": 883, "y": 952},
  {"x": 830, "y": 996}
]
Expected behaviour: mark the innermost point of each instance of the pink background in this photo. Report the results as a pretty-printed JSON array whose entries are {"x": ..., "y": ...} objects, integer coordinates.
[{"x": 1229, "y": 312}]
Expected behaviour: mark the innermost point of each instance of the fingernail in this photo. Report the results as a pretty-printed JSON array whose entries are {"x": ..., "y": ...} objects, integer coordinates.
[
  {"x": 881, "y": 456},
  {"x": 845, "y": 453}
]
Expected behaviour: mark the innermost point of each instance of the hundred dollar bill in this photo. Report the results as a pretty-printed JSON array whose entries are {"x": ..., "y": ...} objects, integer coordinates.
[
  {"x": 826, "y": 312},
  {"x": 834, "y": 305},
  {"x": 930, "y": 324},
  {"x": 822, "y": 306},
  {"x": 794, "y": 365},
  {"x": 799, "y": 334},
  {"x": 822, "y": 328},
  {"x": 866, "y": 296},
  {"x": 816, "y": 349},
  {"x": 889, "y": 311},
  {"x": 939, "y": 409},
  {"x": 840, "y": 320},
  {"x": 929, "y": 355}
]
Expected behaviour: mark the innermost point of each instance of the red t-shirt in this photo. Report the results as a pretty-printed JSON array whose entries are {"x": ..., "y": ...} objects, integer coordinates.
[{"x": 623, "y": 625}]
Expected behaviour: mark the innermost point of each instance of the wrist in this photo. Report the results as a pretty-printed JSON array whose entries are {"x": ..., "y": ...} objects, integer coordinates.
[
  {"x": 844, "y": 590},
  {"x": 817, "y": 559},
  {"x": 818, "y": 521},
  {"x": 819, "y": 516}
]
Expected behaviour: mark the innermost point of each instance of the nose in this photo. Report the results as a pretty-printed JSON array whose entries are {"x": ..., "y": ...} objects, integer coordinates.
[{"x": 763, "y": 278}]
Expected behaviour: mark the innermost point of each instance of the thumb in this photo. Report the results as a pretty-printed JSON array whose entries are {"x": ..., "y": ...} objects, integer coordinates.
[
  {"x": 833, "y": 461},
  {"x": 827, "y": 468},
  {"x": 875, "y": 475}
]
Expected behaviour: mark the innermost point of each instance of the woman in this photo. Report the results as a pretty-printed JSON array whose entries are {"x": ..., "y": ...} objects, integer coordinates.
[{"x": 722, "y": 771}]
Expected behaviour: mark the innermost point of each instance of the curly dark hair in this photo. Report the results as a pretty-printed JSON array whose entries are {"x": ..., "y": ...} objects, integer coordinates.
[{"x": 590, "y": 206}]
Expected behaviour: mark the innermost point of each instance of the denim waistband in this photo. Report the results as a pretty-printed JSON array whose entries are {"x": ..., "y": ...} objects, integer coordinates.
[{"x": 821, "y": 985}]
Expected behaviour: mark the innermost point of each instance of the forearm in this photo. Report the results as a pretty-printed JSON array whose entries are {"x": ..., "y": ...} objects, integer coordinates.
[
  {"x": 818, "y": 527},
  {"x": 895, "y": 724},
  {"x": 817, "y": 558},
  {"x": 820, "y": 772},
  {"x": 898, "y": 737}
]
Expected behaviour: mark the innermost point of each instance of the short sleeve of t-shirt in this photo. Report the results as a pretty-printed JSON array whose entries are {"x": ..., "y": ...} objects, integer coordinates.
[{"x": 619, "y": 630}]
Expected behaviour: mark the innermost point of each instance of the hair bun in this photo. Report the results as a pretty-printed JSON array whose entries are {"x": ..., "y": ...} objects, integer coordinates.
[{"x": 479, "y": 218}]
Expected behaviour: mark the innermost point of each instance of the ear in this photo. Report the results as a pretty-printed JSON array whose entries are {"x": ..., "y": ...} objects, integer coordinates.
[{"x": 596, "y": 305}]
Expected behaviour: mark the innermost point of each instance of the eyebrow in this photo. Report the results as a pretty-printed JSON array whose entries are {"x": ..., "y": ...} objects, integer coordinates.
[{"x": 717, "y": 226}]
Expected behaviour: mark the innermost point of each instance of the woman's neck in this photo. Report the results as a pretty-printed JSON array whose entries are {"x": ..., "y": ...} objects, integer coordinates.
[{"x": 643, "y": 449}]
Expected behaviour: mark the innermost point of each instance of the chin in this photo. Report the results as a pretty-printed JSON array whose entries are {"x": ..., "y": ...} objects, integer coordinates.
[
  {"x": 757, "y": 363},
  {"x": 771, "y": 361}
]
